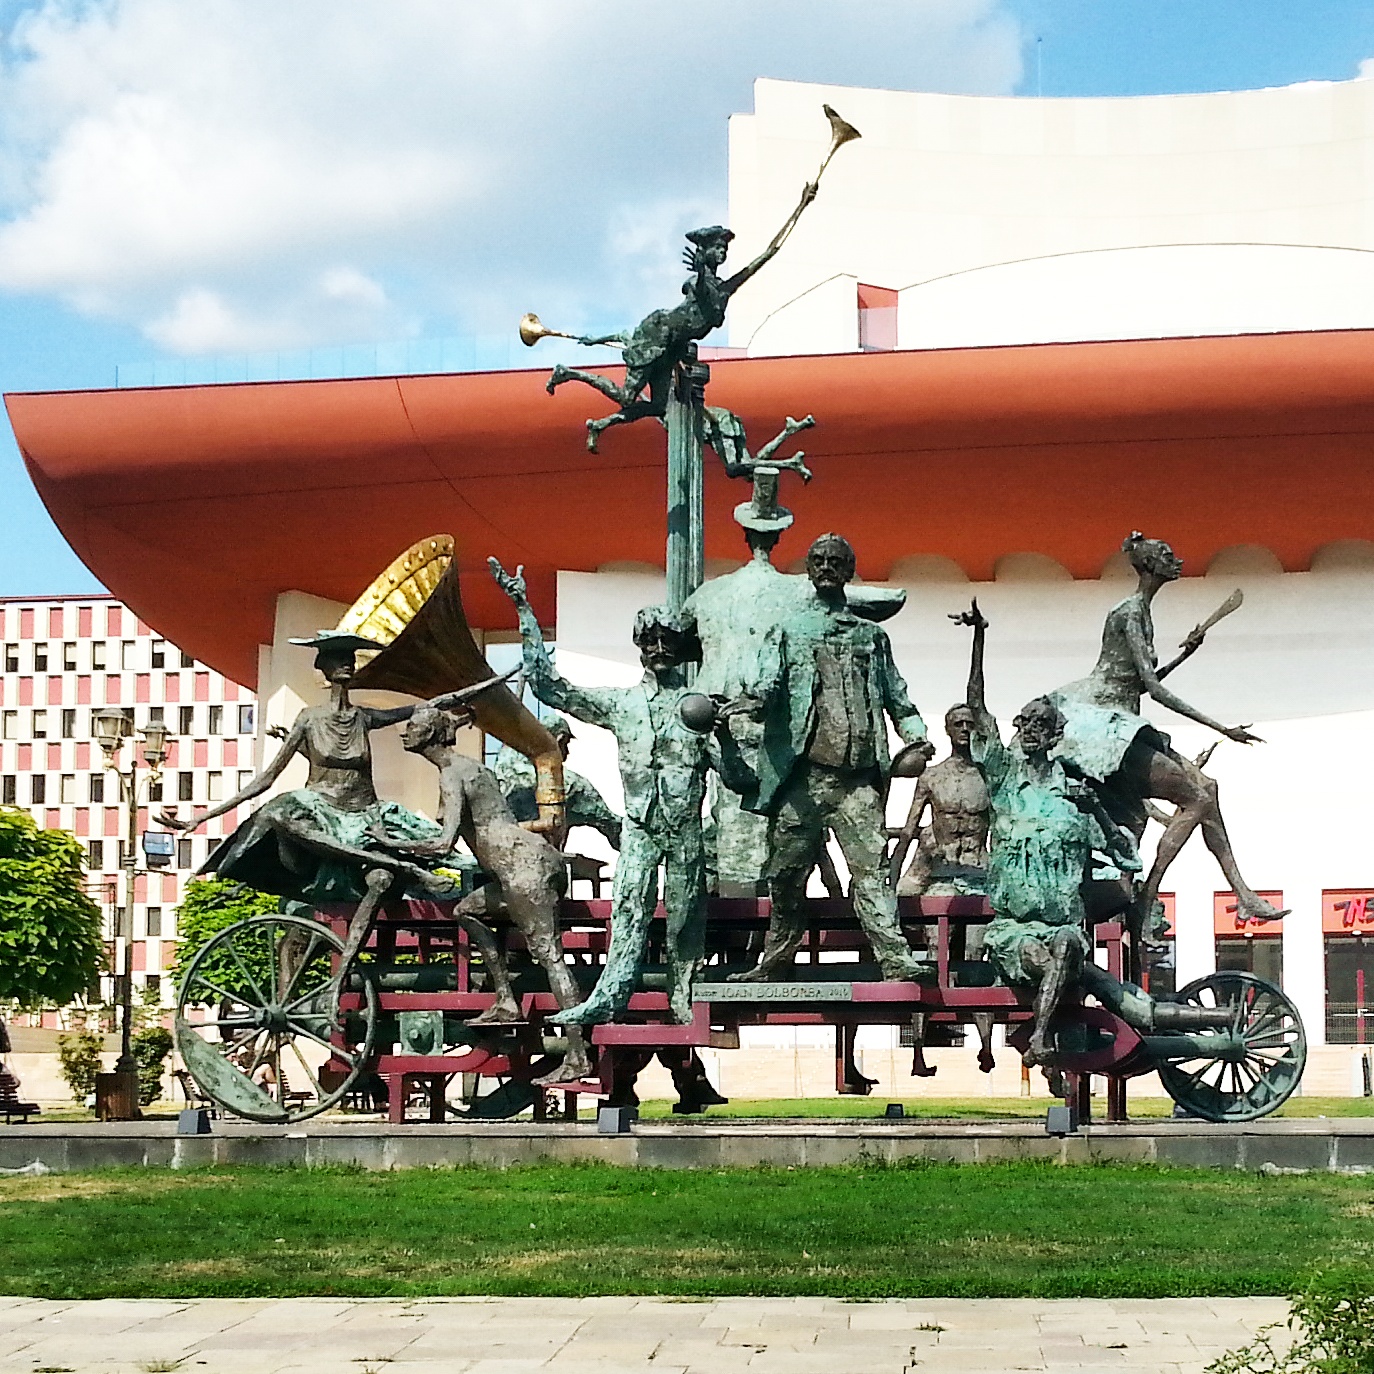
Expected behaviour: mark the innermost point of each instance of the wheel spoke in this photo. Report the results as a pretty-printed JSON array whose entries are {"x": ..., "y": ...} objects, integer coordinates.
[
  {"x": 300, "y": 968},
  {"x": 229, "y": 945},
  {"x": 346, "y": 1055},
  {"x": 309, "y": 1072},
  {"x": 306, "y": 997},
  {"x": 224, "y": 992}
]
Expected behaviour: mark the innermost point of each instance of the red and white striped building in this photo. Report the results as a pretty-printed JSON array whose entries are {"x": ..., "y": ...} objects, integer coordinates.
[{"x": 66, "y": 657}]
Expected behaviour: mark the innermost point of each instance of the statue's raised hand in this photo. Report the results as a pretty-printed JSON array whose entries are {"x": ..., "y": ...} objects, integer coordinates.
[
  {"x": 513, "y": 584},
  {"x": 972, "y": 617},
  {"x": 1240, "y": 734}
]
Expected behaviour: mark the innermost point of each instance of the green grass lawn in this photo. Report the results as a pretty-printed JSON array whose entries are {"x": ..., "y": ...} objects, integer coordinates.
[{"x": 1015, "y": 1230}]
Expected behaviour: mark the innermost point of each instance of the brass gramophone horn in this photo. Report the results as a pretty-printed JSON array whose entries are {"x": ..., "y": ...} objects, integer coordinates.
[
  {"x": 415, "y": 608},
  {"x": 532, "y": 329}
]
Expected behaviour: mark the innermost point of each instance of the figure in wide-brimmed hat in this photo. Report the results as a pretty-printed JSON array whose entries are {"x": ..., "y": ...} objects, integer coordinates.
[{"x": 315, "y": 843}]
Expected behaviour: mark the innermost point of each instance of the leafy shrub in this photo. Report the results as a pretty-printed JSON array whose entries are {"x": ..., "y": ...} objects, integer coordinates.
[
  {"x": 150, "y": 1048},
  {"x": 1332, "y": 1326},
  {"x": 79, "y": 1057},
  {"x": 50, "y": 945},
  {"x": 210, "y": 906}
]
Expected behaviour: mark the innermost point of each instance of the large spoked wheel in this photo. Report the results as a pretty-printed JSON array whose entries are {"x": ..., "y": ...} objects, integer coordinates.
[
  {"x": 273, "y": 1046},
  {"x": 1263, "y": 1058}
]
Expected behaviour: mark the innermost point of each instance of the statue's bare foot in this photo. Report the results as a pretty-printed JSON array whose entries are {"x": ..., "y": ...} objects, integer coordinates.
[
  {"x": 575, "y": 1068},
  {"x": 593, "y": 434},
  {"x": 556, "y": 378},
  {"x": 1037, "y": 1052},
  {"x": 986, "y": 1063},
  {"x": 499, "y": 1014},
  {"x": 1255, "y": 908},
  {"x": 760, "y": 973}
]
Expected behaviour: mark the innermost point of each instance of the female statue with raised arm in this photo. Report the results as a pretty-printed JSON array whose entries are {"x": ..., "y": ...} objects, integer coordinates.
[
  {"x": 1107, "y": 740},
  {"x": 313, "y": 844}
]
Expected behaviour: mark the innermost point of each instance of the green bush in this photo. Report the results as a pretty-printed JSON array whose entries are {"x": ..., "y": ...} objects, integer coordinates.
[
  {"x": 79, "y": 1057},
  {"x": 1332, "y": 1326},
  {"x": 150, "y": 1048},
  {"x": 209, "y": 906}
]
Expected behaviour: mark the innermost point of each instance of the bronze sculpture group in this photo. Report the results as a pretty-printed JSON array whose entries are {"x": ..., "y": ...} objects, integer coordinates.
[{"x": 771, "y": 695}]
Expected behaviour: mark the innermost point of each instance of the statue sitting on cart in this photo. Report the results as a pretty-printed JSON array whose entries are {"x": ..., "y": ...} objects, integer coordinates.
[
  {"x": 318, "y": 843},
  {"x": 527, "y": 867},
  {"x": 1049, "y": 832}
]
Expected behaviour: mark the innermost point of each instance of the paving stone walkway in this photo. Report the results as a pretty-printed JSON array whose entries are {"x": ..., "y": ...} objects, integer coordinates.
[{"x": 625, "y": 1335}]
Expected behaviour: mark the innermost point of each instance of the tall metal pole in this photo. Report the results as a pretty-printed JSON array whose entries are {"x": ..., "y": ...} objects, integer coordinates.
[
  {"x": 128, "y": 785},
  {"x": 686, "y": 552}
]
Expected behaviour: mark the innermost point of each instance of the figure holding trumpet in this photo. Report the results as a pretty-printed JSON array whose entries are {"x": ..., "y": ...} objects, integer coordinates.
[{"x": 666, "y": 338}]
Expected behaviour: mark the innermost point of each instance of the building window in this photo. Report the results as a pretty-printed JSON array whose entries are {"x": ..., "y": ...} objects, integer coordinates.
[
  {"x": 152, "y": 982},
  {"x": 185, "y": 782},
  {"x": 215, "y": 783},
  {"x": 66, "y": 789},
  {"x": 11, "y": 658},
  {"x": 40, "y": 725},
  {"x": 69, "y": 656},
  {"x": 216, "y": 720},
  {"x": 11, "y": 724},
  {"x": 126, "y": 655},
  {"x": 155, "y": 788},
  {"x": 187, "y": 661},
  {"x": 245, "y": 777},
  {"x": 124, "y": 854},
  {"x": 183, "y": 853},
  {"x": 154, "y": 922},
  {"x": 98, "y": 656},
  {"x": 877, "y": 319},
  {"x": 1263, "y": 956},
  {"x": 159, "y": 654},
  {"x": 97, "y": 787},
  {"x": 186, "y": 720},
  {"x": 38, "y": 789},
  {"x": 95, "y": 855},
  {"x": 155, "y": 714},
  {"x": 121, "y": 927},
  {"x": 68, "y": 723},
  {"x": 40, "y": 658},
  {"x": 245, "y": 720},
  {"x": 1349, "y": 990},
  {"x": 9, "y": 794}
]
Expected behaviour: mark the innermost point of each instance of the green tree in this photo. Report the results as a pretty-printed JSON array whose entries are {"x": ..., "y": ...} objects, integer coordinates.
[
  {"x": 209, "y": 906},
  {"x": 50, "y": 943}
]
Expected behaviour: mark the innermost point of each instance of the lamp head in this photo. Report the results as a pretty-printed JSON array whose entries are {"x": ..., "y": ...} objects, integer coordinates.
[
  {"x": 111, "y": 726},
  {"x": 154, "y": 744}
]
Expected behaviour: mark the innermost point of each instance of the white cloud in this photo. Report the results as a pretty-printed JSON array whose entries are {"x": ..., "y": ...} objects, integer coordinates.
[{"x": 230, "y": 171}]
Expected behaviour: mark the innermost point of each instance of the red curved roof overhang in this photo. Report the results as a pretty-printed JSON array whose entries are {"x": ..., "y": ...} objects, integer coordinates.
[{"x": 198, "y": 505}]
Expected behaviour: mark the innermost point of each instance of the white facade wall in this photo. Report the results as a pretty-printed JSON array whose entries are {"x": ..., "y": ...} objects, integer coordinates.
[
  {"x": 1019, "y": 220},
  {"x": 67, "y": 657}
]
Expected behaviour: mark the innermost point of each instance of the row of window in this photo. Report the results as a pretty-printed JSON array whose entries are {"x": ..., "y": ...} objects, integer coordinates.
[
  {"x": 43, "y": 656},
  {"x": 44, "y": 724},
  {"x": 152, "y": 924},
  {"x": 117, "y": 851},
  {"x": 67, "y": 789}
]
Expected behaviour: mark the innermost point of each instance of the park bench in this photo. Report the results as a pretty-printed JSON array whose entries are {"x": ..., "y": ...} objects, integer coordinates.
[{"x": 10, "y": 1103}]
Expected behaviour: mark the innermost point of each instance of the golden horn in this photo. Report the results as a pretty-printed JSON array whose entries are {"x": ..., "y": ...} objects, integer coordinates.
[
  {"x": 841, "y": 132},
  {"x": 415, "y": 609},
  {"x": 532, "y": 329}
]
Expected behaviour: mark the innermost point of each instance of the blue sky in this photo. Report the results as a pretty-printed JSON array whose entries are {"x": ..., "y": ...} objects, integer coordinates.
[{"x": 183, "y": 181}]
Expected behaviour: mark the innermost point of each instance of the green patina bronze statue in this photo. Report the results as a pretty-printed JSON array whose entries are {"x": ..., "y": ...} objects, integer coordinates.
[{"x": 663, "y": 766}]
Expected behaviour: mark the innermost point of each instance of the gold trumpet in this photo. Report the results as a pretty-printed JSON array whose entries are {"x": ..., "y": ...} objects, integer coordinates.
[
  {"x": 532, "y": 329},
  {"x": 841, "y": 132}
]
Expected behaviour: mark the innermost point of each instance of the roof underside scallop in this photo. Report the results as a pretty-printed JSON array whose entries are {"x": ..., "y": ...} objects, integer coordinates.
[{"x": 196, "y": 506}]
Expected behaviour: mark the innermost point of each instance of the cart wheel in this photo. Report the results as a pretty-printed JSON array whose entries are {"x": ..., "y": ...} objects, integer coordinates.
[
  {"x": 1252, "y": 1084},
  {"x": 270, "y": 1051}
]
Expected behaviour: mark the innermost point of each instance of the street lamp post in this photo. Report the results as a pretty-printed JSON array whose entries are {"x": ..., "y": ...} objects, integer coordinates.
[{"x": 112, "y": 726}]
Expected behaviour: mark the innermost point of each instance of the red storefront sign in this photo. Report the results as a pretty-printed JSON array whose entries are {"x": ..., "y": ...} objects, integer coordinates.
[
  {"x": 1348, "y": 911},
  {"x": 1227, "y": 918}
]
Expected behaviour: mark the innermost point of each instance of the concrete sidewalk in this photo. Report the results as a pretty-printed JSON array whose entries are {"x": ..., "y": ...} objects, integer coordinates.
[{"x": 626, "y": 1335}]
